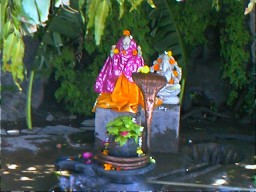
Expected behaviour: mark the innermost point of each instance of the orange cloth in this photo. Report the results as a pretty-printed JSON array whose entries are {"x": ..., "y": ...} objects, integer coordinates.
[{"x": 126, "y": 97}]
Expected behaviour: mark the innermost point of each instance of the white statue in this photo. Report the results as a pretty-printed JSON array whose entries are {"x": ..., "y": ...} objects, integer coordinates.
[{"x": 167, "y": 66}]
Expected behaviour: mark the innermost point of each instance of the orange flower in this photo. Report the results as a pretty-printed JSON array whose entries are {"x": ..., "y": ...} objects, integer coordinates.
[
  {"x": 171, "y": 81},
  {"x": 175, "y": 73},
  {"x": 126, "y": 32},
  {"x": 159, "y": 60},
  {"x": 105, "y": 152},
  {"x": 156, "y": 67},
  {"x": 116, "y": 51},
  {"x": 124, "y": 52},
  {"x": 134, "y": 52},
  {"x": 118, "y": 168},
  {"x": 172, "y": 61},
  {"x": 107, "y": 167}
]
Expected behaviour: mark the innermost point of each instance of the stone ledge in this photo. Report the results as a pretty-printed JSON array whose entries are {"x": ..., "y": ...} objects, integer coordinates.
[{"x": 164, "y": 127}]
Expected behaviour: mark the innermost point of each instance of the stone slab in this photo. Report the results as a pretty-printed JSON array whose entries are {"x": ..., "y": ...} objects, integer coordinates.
[{"x": 164, "y": 127}]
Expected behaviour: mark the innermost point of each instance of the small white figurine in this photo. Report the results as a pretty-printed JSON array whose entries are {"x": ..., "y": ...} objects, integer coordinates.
[{"x": 167, "y": 66}]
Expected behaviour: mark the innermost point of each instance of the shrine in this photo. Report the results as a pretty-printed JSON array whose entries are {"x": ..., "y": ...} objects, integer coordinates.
[{"x": 116, "y": 99}]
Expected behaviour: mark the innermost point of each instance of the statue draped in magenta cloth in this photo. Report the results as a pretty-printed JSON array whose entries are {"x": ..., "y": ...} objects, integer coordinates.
[{"x": 114, "y": 84}]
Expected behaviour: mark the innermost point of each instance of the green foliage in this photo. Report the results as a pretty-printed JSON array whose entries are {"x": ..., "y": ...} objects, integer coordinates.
[
  {"x": 123, "y": 128},
  {"x": 249, "y": 104},
  {"x": 234, "y": 38},
  {"x": 19, "y": 18},
  {"x": 77, "y": 77},
  {"x": 97, "y": 12},
  {"x": 164, "y": 31},
  {"x": 73, "y": 83},
  {"x": 132, "y": 21},
  {"x": 77, "y": 85},
  {"x": 11, "y": 40},
  {"x": 192, "y": 18}
]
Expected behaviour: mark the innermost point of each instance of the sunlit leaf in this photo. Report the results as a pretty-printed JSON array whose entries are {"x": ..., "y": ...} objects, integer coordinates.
[
  {"x": 151, "y": 3},
  {"x": 57, "y": 3},
  {"x": 9, "y": 43},
  {"x": 16, "y": 11},
  {"x": 135, "y": 4},
  {"x": 17, "y": 57},
  {"x": 29, "y": 7},
  {"x": 249, "y": 8},
  {"x": 62, "y": 2},
  {"x": 12, "y": 57},
  {"x": 3, "y": 19},
  {"x": 92, "y": 8},
  {"x": 43, "y": 9},
  {"x": 121, "y": 7},
  {"x": 28, "y": 28},
  {"x": 7, "y": 28},
  {"x": 57, "y": 39},
  {"x": 215, "y": 4},
  {"x": 100, "y": 19},
  {"x": 80, "y": 5}
]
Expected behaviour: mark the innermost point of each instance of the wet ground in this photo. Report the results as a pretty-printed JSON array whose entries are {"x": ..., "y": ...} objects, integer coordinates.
[{"x": 27, "y": 160}]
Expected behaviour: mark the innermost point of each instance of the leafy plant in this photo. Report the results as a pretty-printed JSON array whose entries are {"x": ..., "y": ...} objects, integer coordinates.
[{"x": 123, "y": 128}]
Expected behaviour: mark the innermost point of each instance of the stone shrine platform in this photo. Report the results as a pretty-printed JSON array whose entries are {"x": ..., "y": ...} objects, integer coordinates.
[{"x": 164, "y": 127}]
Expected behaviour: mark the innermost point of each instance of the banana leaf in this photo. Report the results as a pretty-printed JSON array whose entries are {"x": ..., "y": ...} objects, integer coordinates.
[{"x": 165, "y": 33}]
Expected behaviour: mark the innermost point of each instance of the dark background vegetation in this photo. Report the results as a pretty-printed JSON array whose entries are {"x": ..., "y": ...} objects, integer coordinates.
[{"x": 216, "y": 46}]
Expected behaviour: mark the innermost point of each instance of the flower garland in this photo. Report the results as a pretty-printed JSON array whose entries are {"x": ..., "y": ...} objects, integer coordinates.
[
  {"x": 126, "y": 33},
  {"x": 124, "y": 52},
  {"x": 172, "y": 61}
]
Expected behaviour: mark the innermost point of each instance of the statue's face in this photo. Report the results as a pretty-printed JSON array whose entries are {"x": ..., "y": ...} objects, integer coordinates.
[
  {"x": 126, "y": 42},
  {"x": 165, "y": 65}
]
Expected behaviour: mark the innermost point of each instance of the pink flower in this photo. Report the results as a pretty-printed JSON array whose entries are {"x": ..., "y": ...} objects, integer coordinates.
[
  {"x": 88, "y": 161},
  {"x": 87, "y": 155},
  {"x": 124, "y": 133}
]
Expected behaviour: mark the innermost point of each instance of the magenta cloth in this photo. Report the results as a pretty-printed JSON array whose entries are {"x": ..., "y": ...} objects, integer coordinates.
[{"x": 117, "y": 65}]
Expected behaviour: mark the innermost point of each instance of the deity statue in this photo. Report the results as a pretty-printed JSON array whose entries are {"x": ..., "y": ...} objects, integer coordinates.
[
  {"x": 114, "y": 83},
  {"x": 167, "y": 66}
]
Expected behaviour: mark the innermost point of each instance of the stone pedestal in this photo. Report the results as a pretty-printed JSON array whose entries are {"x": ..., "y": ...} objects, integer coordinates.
[{"x": 164, "y": 128}]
